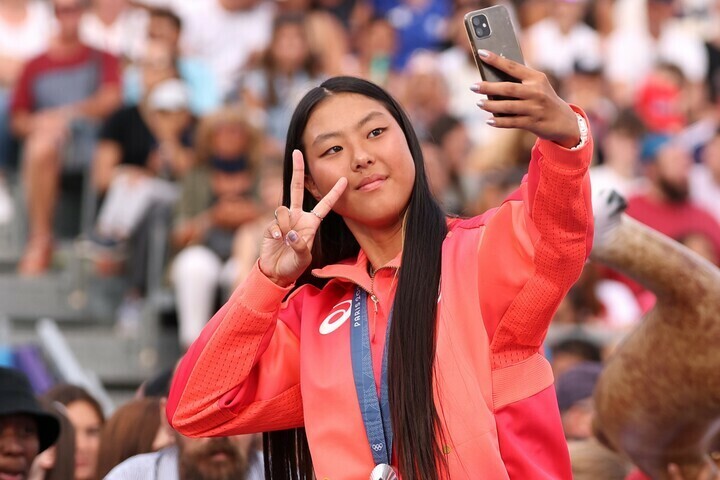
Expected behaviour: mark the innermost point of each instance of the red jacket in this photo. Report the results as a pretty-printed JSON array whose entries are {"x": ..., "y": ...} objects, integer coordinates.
[{"x": 263, "y": 364}]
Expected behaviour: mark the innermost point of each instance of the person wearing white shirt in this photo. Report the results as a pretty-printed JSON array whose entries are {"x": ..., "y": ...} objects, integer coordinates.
[
  {"x": 557, "y": 42},
  {"x": 632, "y": 53},
  {"x": 113, "y": 26},
  {"x": 224, "y": 33}
]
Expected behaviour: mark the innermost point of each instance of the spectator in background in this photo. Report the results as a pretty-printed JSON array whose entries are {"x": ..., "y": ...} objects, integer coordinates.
[
  {"x": 451, "y": 137},
  {"x": 87, "y": 418},
  {"x": 423, "y": 91},
  {"x": 620, "y": 148},
  {"x": 712, "y": 47},
  {"x": 666, "y": 205},
  {"x": 574, "y": 392},
  {"x": 223, "y": 33},
  {"x": 220, "y": 458},
  {"x": 376, "y": 46},
  {"x": 25, "y": 428},
  {"x": 58, "y": 461},
  {"x": 592, "y": 461},
  {"x": 59, "y": 100},
  {"x": 662, "y": 100},
  {"x": 143, "y": 151},
  {"x": 288, "y": 69},
  {"x": 113, "y": 26},
  {"x": 136, "y": 427},
  {"x": 571, "y": 351},
  {"x": 705, "y": 178},
  {"x": 24, "y": 27},
  {"x": 632, "y": 52},
  {"x": 556, "y": 43},
  {"x": 420, "y": 24},
  {"x": 164, "y": 26},
  {"x": 216, "y": 198},
  {"x": 586, "y": 88}
]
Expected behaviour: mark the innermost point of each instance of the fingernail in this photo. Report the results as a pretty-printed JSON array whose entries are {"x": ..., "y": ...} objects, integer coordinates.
[
  {"x": 481, "y": 103},
  {"x": 490, "y": 122},
  {"x": 276, "y": 234},
  {"x": 292, "y": 236},
  {"x": 475, "y": 87},
  {"x": 483, "y": 53}
]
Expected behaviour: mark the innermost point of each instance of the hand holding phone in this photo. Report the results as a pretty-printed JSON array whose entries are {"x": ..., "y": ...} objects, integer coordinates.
[{"x": 530, "y": 103}]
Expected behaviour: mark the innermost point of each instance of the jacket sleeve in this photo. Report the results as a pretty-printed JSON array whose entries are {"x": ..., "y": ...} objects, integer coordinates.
[
  {"x": 242, "y": 374},
  {"x": 542, "y": 236},
  {"x": 545, "y": 234}
]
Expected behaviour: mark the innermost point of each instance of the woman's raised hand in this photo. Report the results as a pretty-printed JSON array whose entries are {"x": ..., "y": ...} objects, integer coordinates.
[
  {"x": 287, "y": 242},
  {"x": 534, "y": 105}
]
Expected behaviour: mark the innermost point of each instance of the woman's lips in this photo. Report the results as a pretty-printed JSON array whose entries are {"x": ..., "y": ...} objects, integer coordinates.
[
  {"x": 12, "y": 476},
  {"x": 372, "y": 182}
]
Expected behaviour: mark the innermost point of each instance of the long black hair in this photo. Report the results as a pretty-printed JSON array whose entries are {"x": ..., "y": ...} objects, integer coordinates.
[{"x": 411, "y": 350}]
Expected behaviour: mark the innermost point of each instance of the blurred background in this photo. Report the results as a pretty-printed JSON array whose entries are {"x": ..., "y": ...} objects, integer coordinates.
[{"x": 141, "y": 146}]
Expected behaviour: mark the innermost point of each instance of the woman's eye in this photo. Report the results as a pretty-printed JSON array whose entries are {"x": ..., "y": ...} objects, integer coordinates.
[
  {"x": 334, "y": 149},
  {"x": 376, "y": 132}
]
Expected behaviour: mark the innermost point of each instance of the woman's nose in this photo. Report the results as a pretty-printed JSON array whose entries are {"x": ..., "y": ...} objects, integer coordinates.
[{"x": 362, "y": 160}]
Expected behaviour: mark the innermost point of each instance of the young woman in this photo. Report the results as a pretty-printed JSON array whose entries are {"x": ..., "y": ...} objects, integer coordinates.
[
  {"x": 447, "y": 315},
  {"x": 87, "y": 418}
]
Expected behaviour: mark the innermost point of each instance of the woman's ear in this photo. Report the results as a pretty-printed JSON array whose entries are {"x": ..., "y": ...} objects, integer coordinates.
[{"x": 312, "y": 188}]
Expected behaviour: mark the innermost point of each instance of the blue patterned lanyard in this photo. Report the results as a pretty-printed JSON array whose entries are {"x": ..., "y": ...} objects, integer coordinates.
[{"x": 375, "y": 411}]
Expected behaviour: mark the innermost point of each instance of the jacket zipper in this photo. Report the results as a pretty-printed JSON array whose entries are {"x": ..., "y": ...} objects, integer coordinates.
[
  {"x": 370, "y": 292},
  {"x": 373, "y": 297}
]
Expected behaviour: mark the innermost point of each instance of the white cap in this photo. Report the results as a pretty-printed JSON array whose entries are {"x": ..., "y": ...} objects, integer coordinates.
[{"x": 170, "y": 95}]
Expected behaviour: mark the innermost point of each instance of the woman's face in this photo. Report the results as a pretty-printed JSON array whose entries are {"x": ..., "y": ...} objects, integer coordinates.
[
  {"x": 87, "y": 425},
  {"x": 350, "y": 135},
  {"x": 229, "y": 140},
  {"x": 290, "y": 48}
]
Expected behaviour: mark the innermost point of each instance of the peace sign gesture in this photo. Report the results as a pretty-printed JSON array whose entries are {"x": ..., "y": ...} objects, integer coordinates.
[{"x": 287, "y": 242}]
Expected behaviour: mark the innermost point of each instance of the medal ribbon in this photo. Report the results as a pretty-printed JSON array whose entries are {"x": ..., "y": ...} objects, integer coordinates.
[{"x": 375, "y": 411}]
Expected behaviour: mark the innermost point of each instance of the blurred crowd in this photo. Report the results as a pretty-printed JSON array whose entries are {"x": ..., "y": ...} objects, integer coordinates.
[{"x": 177, "y": 110}]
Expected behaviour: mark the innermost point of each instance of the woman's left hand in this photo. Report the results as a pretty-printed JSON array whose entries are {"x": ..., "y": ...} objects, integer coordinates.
[{"x": 534, "y": 105}]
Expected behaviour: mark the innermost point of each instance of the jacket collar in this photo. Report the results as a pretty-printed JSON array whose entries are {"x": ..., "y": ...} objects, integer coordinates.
[{"x": 354, "y": 270}]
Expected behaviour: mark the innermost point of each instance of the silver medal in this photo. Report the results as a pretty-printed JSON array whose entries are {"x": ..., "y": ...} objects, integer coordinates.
[{"x": 383, "y": 471}]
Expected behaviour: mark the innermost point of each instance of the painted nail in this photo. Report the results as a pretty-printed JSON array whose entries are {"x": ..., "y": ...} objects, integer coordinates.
[
  {"x": 276, "y": 234},
  {"x": 475, "y": 87},
  {"x": 483, "y": 53},
  {"x": 292, "y": 236},
  {"x": 491, "y": 122},
  {"x": 481, "y": 103}
]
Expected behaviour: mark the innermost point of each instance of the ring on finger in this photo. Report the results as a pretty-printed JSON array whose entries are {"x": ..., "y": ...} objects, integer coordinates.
[{"x": 317, "y": 215}]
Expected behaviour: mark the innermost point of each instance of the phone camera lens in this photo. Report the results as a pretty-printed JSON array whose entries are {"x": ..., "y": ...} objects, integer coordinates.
[{"x": 481, "y": 26}]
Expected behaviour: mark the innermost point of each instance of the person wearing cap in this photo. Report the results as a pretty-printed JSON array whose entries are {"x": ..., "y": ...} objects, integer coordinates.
[
  {"x": 667, "y": 206},
  {"x": 143, "y": 150},
  {"x": 25, "y": 428},
  {"x": 574, "y": 393}
]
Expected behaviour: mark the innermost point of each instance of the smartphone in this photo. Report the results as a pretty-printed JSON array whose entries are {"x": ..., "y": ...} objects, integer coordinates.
[{"x": 491, "y": 29}]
